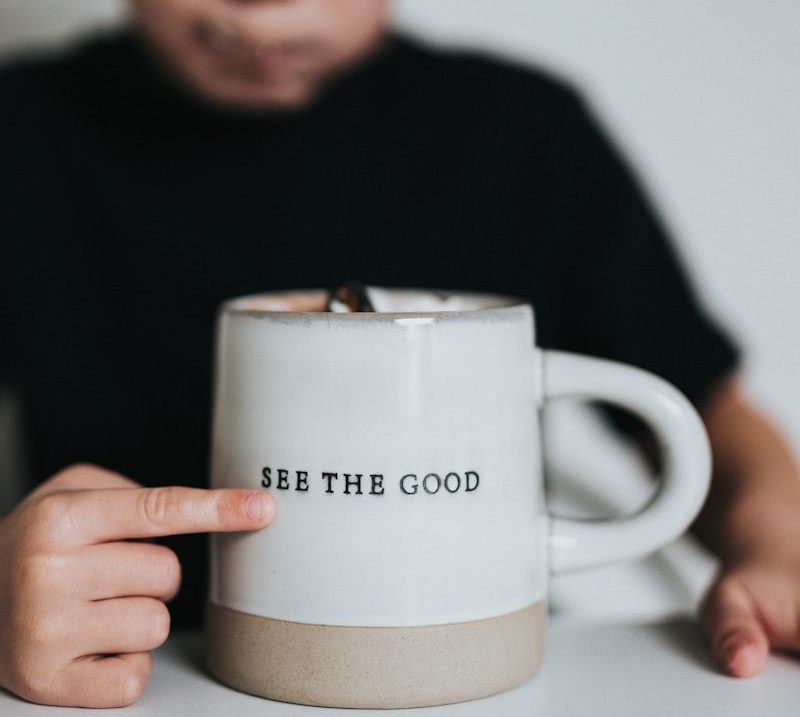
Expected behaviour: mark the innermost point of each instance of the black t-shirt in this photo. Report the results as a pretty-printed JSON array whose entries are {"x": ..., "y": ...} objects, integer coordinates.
[{"x": 129, "y": 211}]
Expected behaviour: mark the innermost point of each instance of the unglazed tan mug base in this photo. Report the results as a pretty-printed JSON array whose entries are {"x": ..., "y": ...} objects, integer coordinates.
[{"x": 373, "y": 667}]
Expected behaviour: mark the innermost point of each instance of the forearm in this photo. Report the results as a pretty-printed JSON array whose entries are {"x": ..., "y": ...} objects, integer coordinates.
[{"x": 753, "y": 507}]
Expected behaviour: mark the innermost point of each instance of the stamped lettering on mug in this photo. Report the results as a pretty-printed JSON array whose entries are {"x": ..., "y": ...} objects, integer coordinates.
[{"x": 371, "y": 483}]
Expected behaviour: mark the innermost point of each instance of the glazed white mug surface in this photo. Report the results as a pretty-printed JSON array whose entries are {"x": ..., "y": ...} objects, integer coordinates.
[{"x": 403, "y": 450}]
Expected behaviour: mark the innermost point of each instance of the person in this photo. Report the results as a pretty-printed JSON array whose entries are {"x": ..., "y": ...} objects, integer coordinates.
[{"x": 223, "y": 147}]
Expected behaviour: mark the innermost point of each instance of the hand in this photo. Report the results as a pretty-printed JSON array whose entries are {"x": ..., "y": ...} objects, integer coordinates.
[
  {"x": 750, "y": 609},
  {"x": 81, "y": 605}
]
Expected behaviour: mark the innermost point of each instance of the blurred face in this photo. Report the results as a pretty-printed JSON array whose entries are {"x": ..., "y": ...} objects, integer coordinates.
[{"x": 259, "y": 54}]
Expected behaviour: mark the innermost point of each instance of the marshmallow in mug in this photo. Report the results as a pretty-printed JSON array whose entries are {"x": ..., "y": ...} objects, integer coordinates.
[{"x": 356, "y": 297}]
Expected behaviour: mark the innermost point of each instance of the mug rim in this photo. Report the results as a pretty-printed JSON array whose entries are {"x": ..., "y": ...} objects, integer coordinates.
[{"x": 504, "y": 304}]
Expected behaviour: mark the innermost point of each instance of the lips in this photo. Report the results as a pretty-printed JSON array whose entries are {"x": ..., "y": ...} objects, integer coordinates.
[{"x": 241, "y": 51}]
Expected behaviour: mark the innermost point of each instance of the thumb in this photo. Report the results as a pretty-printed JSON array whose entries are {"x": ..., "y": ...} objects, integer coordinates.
[{"x": 738, "y": 638}]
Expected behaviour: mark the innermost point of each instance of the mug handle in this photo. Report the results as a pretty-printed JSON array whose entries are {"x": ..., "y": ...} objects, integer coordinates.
[{"x": 578, "y": 544}]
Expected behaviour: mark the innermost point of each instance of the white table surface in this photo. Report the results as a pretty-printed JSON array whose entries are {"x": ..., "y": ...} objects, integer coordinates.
[
  {"x": 622, "y": 640},
  {"x": 590, "y": 669}
]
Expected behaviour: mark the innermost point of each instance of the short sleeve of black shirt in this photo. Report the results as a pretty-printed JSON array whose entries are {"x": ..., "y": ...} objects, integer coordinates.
[
  {"x": 631, "y": 298},
  {"x": 28, "y": 184},
  {"x": 6, "y": 339}
]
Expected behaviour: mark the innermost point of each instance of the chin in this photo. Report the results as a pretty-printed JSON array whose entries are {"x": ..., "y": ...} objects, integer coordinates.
[{"x": 253, "y": 98}]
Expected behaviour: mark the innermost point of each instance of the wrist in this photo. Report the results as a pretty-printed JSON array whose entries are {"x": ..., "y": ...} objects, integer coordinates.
[
  {"x": 763, "y": 557},
  {"x": 753, "y": 529}
]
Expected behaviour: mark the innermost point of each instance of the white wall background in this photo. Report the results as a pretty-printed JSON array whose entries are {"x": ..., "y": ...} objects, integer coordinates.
[{"x": 703, "y": 94}]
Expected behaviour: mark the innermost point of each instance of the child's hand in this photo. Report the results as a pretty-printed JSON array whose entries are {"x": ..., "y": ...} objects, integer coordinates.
[
  {"x": 81, "y": 606},
  {"x": 750, "y": 609}
]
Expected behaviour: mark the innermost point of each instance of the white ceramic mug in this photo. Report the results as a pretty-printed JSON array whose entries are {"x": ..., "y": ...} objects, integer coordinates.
[{"x": 408, "y": 561}]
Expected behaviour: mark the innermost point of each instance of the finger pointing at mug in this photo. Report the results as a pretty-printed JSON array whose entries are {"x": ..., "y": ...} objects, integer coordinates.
[{"x": 82, "y": 605}]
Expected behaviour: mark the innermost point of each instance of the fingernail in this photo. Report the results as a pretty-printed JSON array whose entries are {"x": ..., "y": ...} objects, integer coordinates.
[
  {"x": 733, "y": 644},
  {"x": 257, "y": 506},
  {"x": 738, "y": 656}
]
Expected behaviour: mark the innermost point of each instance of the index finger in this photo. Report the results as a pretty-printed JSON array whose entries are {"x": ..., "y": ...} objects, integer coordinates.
[{"x": 118, "y": 513}]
